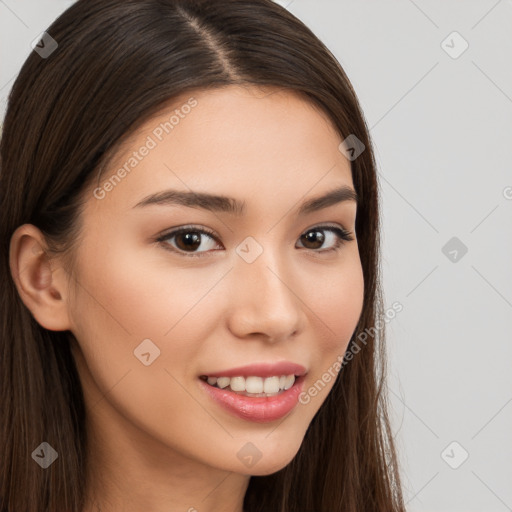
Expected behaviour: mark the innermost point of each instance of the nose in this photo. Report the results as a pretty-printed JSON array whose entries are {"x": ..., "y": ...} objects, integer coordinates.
[{"x": 263, "y": 301}]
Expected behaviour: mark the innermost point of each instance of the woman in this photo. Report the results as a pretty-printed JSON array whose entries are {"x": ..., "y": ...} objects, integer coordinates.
[{"x": 190, "y": 259}]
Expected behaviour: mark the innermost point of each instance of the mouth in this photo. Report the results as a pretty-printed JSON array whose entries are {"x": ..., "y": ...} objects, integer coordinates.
[
  {"x": 253, "y": 385},
  {"x": 254, "y": 398}
]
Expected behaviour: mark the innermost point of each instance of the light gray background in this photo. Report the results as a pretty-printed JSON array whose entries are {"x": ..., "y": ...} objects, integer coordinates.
[{"x": 442, "y": 130}]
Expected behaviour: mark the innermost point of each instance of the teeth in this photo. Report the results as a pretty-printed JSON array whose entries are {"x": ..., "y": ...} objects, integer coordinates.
[
  {"x": 237, "y": 384},
  {"x": 271, "y": 385},
  {"x": 254, "y": 385},
  {"x": 223, "y": 382},
  {"x": 289, "y": 381}
]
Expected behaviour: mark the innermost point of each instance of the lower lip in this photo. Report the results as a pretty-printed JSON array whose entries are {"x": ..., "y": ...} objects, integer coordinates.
[{"x": 257, "y": 409}]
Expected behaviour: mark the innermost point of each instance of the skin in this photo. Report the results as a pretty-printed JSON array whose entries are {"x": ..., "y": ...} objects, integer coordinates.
[{"x": 158, "y": 442}]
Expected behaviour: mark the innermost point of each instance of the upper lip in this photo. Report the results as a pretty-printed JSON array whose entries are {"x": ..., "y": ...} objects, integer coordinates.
[{"x": 261, "y": 370}]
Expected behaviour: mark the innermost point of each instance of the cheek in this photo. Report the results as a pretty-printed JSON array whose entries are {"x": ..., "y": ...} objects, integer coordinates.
[
  {"x": 131, "y": 297},
  {"x": 336, "y": 305},
  {"x": 344, "y": 289}
]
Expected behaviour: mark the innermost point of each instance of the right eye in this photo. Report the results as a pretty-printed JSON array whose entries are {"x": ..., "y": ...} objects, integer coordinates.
[{"x": 188, "y": 239}]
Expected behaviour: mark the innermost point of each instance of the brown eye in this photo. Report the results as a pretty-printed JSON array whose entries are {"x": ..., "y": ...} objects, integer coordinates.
[
  {"x": 188, "y": 240},
  {"x": 315, "y": 238}
]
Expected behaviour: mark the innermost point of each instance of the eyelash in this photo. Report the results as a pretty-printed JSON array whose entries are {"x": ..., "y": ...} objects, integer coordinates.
[{"x": 342, "y": 236}]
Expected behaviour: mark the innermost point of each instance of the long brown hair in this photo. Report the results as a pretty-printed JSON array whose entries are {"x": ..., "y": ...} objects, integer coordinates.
[{"x": 116, "y": 64}]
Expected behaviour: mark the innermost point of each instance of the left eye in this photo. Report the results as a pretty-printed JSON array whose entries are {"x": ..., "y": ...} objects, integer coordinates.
[
  {"x": 189, "y": 239},
  {"x": 337, "y": 236}
]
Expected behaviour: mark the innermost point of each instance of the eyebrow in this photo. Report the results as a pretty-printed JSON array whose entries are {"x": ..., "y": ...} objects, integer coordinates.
[{"x": 220, "y": 203}]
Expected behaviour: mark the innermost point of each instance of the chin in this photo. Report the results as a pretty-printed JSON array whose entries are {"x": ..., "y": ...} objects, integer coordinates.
[{"x": 272, "y": 460}]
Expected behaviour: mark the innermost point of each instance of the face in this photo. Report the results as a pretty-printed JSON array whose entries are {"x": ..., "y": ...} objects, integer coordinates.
[{"x": 257, "y": 281}]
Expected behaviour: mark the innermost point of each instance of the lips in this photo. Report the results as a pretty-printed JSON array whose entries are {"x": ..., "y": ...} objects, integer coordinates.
[
  {"x": 279, "y": 400},
  {"x": 260, "y": 409}
]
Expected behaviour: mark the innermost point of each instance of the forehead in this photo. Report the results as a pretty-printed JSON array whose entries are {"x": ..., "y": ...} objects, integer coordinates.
[{"x": 243, "y": 141}]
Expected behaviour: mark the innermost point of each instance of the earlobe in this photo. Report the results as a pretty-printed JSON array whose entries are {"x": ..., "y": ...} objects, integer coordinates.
[{"x": 41, "y": 285}]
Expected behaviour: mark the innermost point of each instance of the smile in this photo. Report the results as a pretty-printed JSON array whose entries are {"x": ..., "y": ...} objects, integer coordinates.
[{"x": 253, "y": 385}]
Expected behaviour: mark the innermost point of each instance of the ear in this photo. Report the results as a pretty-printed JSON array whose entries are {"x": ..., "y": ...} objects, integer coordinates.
[{"x": 41, "y": 284}]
